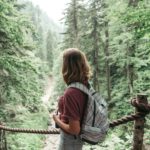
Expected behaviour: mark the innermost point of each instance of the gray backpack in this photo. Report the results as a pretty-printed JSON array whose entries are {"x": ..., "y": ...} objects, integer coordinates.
[{"x": 94, "y": 124}]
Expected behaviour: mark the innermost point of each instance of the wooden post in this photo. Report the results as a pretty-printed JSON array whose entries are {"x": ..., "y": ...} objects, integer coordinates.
[
  {"x": 2, "y": 145},
  {"x": 1, "y": 139},
  {"x": 3, "y": 142},
  {"x": 139, "y": 126}
]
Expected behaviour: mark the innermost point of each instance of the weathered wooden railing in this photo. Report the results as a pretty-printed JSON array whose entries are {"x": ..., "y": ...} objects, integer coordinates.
[{"x": 142, "y": 108}]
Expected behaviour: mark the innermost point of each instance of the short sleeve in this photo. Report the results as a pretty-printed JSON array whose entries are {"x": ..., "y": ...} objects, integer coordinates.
[
  {"x": 60, "y": 104},
  {"x": 71, "y": 108}
]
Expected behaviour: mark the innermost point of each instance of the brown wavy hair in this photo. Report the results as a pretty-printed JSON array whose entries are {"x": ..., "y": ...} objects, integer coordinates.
[{"x": 75, "y": 67}]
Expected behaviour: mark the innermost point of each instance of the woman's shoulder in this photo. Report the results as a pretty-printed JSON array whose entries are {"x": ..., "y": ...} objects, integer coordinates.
[{"x": 73, "y": 91}]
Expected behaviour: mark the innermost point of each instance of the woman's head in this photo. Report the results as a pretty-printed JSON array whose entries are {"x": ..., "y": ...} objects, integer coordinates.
[{"x": 75, "y": 66}]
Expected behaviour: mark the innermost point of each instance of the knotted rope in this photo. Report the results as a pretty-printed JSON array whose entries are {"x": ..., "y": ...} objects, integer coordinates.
[
  {"x": 50, "y": 131},
  {"x": 126, "y": 119},
  {"x": 145, "y": 109}
]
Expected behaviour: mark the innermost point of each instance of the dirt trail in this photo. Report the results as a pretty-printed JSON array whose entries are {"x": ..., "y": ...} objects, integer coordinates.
[
  {"x": 51, "y": 140},
  {"x": 48, "y": 91}
]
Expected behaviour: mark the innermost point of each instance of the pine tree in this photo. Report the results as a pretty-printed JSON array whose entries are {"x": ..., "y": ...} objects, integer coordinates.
[{"x": 73, "y": 26}]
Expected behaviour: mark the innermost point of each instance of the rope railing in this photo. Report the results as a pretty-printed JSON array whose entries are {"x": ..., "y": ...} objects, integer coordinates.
[
  {"x": 21, "y": 130},
  {"x": 123, "y": 120},
  {"x": 115, "y": 123},
  {"x": 126, "y": 119},
  {"x": 142, "y": 109}
]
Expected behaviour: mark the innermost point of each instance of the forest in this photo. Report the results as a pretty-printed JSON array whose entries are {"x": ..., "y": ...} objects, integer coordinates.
[{"x": 114, "y": 35}]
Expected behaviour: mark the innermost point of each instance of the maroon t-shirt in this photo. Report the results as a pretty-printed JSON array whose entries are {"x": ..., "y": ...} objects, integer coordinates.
[{"x": 71, "y": 105}]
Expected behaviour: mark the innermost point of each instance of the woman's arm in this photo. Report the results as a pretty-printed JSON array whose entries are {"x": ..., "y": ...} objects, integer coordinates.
[{"x": 73, "y": 127}]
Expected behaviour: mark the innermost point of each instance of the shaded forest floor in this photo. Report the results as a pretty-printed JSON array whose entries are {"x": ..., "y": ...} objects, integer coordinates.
[{"x": 51, "y": 140}]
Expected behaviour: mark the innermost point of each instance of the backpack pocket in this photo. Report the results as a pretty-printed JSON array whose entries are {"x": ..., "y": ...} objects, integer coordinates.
[{"x": 92, "y": 135}]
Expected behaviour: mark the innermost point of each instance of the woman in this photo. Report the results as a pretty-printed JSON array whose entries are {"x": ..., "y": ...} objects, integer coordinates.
[{"x": 71, "y": 105}]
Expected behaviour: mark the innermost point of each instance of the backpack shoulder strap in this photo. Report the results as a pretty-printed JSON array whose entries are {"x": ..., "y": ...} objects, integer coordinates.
[
  {"x": 84, "y": 89},
  {"x": 80, "y": 86}
]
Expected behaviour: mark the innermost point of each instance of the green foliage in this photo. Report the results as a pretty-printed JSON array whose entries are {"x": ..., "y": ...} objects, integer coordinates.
[
  {"x": 20, "y": 78},
  {"x": 45, "y": 33},
  {"x": 139, "y": 18},
  {"x": 13, "y": 28},
  {"x": 73, "y": 16},
  {"x": 25, "y": 119},
  {"x": 59, "y": 84}
]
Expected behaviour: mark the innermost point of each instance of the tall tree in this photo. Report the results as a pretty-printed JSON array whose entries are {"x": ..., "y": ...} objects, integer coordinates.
[
  {"x": 95, "y": 23},
  {"x": 138, "y": 24},
  {"x": 131, "y": 55},
  {"x": 95, "y": 49},
  {"x": 107, "y": 61},
  {"x": 50, "y": 47},
  {"x": 71, "y": 19}
]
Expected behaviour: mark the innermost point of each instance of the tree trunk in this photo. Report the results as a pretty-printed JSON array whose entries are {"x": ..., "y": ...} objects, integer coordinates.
[
  {"x": 75, "y": 24},
  {"x": 95, "y": 55},
  {"x": 3, "y": 143},
  {"x": 130, "y": 53},
  {"x": 130, "y": 68},
  {"x": 106, "y": 51}
]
